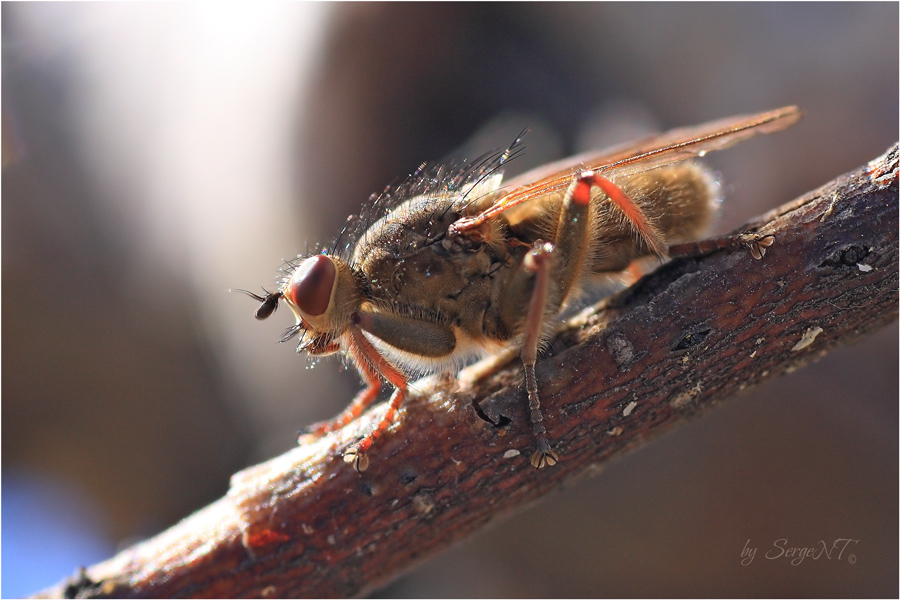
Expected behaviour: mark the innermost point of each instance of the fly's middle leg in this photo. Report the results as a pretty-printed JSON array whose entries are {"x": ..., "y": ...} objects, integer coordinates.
[
  {"x": 565, "y": 258},
  {"x": 537, "y": 262}
]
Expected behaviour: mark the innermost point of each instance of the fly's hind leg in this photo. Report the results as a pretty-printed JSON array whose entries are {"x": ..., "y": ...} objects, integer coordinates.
[{"x": 756, "y": 243}]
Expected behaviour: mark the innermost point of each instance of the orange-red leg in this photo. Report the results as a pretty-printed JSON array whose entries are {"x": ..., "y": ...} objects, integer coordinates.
[
  {"x": 360, "y": 403},
  {"x": 581, "y": 193},
  {"x": 571, "y": 242},
  {"x": 372, "y": 364}
]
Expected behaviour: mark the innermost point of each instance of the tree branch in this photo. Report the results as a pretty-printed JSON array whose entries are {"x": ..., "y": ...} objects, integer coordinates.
[{"x": 683, "y": 338}]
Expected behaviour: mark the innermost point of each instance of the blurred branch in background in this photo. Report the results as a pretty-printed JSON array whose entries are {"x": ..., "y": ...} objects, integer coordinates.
[{"x": 681, "y": 340}]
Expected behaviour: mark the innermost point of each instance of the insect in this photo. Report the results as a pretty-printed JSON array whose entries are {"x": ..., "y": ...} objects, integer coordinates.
[{"x": 457, "y": 265}]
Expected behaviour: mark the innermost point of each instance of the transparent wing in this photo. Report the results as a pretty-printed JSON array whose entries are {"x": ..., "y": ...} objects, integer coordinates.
[{"x": 656, "y": 151}]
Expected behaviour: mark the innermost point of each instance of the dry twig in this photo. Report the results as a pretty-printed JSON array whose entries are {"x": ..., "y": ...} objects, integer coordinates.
[{"x": 683, "y": 338}]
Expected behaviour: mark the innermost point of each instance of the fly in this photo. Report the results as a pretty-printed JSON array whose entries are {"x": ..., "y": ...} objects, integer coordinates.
[{"x": 458, "y": 265}]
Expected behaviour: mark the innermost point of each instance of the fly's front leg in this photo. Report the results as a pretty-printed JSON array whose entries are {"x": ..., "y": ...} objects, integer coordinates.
[
  {"x": 425, "y": 338},
  {"x": 360, "y": 403},
  {"x": 372, "y": 366}
]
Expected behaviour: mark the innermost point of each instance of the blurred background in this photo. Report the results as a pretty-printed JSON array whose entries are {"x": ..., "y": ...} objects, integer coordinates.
[{"x": 157, "y": 154}]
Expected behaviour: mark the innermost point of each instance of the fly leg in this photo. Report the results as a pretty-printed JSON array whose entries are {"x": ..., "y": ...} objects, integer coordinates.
[
  {"x": 566, "y": 257},
  {"x": 537, "y": 262},
  {"x": 372, "y": 365},
  {"x": 360, "y": 403},
  {"x": 757, "y": 243},
  {"x": 418, "y": 336},
  {"x": 580, "y": 190}
]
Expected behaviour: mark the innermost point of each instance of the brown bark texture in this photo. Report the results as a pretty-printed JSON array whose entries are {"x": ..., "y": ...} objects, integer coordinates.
[{"x": 683, "y": 338}]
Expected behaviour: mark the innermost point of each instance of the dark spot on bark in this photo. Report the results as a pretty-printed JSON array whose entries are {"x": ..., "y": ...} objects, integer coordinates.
[
  {"x": 692, "y": 339},
  {"x": 621, "y": 350},
  {"x": 848, "y": 256},
  {"x": 500, "y": 421}
]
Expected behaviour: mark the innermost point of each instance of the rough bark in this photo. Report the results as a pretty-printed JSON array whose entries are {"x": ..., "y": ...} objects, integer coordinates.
[{"x": 682, "y": 339}]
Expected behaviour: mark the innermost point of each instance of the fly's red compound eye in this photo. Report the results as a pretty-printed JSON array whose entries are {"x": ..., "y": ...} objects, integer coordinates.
[{"x": 311, "y": 284}]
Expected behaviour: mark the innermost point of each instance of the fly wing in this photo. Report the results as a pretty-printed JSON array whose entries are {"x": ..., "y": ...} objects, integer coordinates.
[{"x": 656, "y": 151}]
